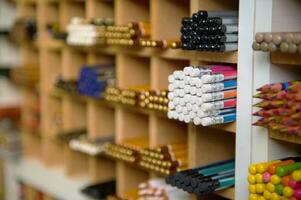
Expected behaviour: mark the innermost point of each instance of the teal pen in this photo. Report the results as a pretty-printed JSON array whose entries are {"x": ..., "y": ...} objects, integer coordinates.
[{"x": 217, "y": 169}]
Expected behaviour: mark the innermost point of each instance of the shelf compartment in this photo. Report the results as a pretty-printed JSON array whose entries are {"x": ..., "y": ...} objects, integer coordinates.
[
  {"x": 52, "y": 117},
  {"x": 74, "y": 114},
  {"x": 132, "y": 71},
  {"x": 130, "y": 125},
  {"x": 72, "y": 61},
  {"x": 27, "y": 9},
  {"x": 101, "y": 169},
  {"x": 52, "y": 153},
  {"x": 132, "y": 11},
  {"x": 161, "y": 68},
  {"x": 164, "y": 131},
  {"x": 202, "y": 139},
  {"x": 128, "y": 178},
  {"x": 164, "y": 24},
  {"x": 217, "y": 5},
  {"x": 99, "y": 8},
  {"x": 69, "y": 9},
  {"x": 221, "y": 146},
  {"x": 51, "y": 69},
  {"x": 101, "y": 120},
  {"x": 31, "y": 145},
  {"x": 76, "y": 163}
]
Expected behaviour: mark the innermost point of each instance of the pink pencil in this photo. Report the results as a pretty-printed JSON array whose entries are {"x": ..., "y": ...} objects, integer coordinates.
[{"x": 220, "y": 68}]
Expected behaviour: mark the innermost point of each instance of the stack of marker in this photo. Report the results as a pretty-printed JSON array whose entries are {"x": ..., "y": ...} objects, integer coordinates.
[
  {"x": 278, "y": 179},
  {"x": 127, "y": 35},
  {"x": 206, "y": 179},
  {"x": 92, "y": 147},
  {"x": 289, "y": 42},
  {"x": 66, "y": 85},
  {"x": 154, "y": 100},
  {"x": 203, "y": 95},
  {"x": 210, "y": 31},
  {"x": 72, "y": 134},
  {"x": 280, "y": 107},
  {"x": 93, "y": 80},
  {"x": 166, "y": 159},
  {"x": 86, "y": 32},
  {"x": 157, "y": 189},
  {"x": 127, "y": 151}
]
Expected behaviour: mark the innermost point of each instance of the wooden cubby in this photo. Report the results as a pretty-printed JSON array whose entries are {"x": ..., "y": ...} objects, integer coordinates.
[{"x": 134, "y": 67}]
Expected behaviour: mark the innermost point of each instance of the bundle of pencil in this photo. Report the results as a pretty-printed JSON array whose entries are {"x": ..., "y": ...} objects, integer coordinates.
[
  {"x": 154, "y": 100},
  {"x": 278, "y": 179},
  {"x": 157, "y": 189},
  {"x": 203, "y": 95},
  {"x": 127, "y": 151},
  {"x": 280, "y": 107},
  {"x": 124, "y": 96},
  {"x": 86, "y": 32},
  {"x": 166, "y": 159},
  {"x": 127, "y": 35},
  {"x": 205, "y": 179},
  {"x": 92, "y": 147},
  {"x": 285, "y": 42},
  {"x": 29, "y": 75},
  {"x": 141, "y": 96}
]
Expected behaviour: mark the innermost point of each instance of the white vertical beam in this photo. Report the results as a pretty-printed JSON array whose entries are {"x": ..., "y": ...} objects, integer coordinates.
[
  {"x": 245, "y": 90},
  {"x": 263, "y": 23}
]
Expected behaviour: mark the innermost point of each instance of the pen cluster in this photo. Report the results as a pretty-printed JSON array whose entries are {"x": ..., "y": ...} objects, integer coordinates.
[
  {"x": 157, "y": 189},
  {"x": 210, "y": 31},
  {"x": 93, "y": 80},
  {"x": 278, "y": 179},
  {"x": 166, "y": 159},
  {"x": 206, "y": 179},
  {"x": 280, "y": 107},
  {"x": 285, "y": 42},
  {"x": 203, "y": 95}
]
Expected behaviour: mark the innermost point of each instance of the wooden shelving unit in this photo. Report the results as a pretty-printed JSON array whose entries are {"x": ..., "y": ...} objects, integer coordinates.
[{"x": 135, "y": 66}]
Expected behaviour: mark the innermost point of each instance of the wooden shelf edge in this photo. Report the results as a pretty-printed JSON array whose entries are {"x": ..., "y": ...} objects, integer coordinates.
[
  {"x": 285, "y": 137},
  {"x": 285, "y": 58},
  {"x": 178, "y": 54}
]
